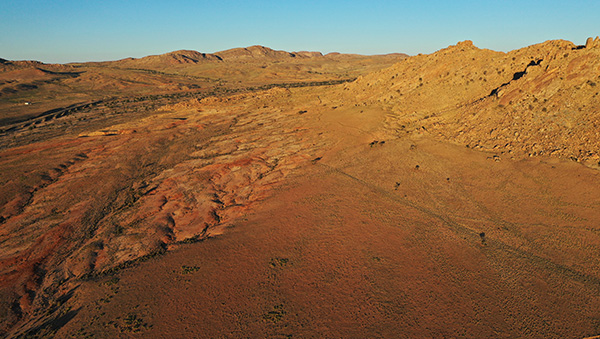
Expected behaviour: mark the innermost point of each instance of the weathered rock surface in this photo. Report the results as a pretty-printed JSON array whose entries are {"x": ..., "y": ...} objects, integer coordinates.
[{"x": 543, "y": 99}]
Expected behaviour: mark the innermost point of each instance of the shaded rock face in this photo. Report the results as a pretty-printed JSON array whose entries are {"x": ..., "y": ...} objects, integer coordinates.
[{"x": 308, "y": 54}]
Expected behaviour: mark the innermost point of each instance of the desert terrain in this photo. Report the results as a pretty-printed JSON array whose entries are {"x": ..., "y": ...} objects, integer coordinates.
[{"x": 260, "y": 193}]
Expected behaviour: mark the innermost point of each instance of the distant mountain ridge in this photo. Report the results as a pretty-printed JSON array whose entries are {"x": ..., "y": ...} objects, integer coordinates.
[
  {"x": 240, "y": 54},
  {"x": 182, "y": 57}
]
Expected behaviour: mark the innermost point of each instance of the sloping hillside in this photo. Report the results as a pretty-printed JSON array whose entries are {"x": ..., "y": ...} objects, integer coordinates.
[{"x": 542, "y": 99}]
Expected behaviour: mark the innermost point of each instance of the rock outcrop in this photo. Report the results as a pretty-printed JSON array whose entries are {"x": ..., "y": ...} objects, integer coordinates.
[{"x": 592, "y": 43}]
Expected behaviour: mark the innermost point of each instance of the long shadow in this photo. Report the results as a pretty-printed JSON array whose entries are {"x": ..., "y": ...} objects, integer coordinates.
[
  {"x": 49, "y": 327},
  {"x": 55, "y": 111},
  {"x": 515, "y": 77},
  {"x": 69, "y": 74}
]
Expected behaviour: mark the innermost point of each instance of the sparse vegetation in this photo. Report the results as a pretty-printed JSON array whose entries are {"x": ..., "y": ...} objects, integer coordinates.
[
  {"x": 279, "y": 262},
  {"x": 189, "y": 269},
  {"x": 131, "y": 323},
  {"x": 276, "y": 314}
]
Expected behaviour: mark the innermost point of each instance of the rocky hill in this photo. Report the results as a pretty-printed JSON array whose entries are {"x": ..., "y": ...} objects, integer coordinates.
[
  {"x": 254, "y": 52},
  {"x": 542, "y": 99},
  {"x": 171, "y": 58}
]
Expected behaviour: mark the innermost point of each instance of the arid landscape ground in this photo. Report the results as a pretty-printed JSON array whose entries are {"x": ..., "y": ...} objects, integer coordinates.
[{"x": 260, "y": 193}]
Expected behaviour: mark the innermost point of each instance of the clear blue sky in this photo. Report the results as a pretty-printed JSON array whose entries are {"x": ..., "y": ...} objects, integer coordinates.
[{"x": 84, "y": 30}]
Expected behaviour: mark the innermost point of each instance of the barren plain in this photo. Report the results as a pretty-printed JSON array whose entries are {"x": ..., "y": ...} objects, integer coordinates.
[{"x": 261, "y": 193}]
